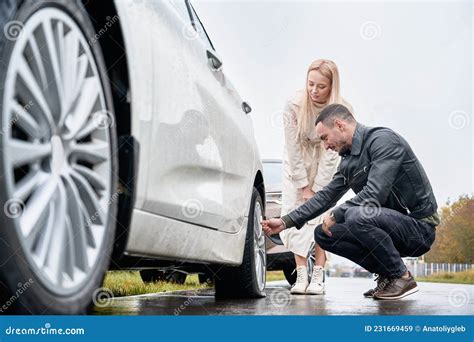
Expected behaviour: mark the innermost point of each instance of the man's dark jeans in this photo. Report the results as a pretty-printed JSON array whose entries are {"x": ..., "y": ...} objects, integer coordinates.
[{"x": 377, "y": 238}]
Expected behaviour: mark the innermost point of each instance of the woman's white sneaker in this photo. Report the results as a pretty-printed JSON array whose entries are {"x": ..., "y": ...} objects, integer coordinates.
[
  {"x": 316, "y": 287},
  {"x": 301, "y": 280}
]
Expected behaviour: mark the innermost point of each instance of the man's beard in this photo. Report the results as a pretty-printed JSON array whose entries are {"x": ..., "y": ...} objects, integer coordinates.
[{"x": 344, "y": 149}]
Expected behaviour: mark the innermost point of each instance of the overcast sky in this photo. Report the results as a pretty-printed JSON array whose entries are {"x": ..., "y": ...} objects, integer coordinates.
[{"x": 407, "y": 66}]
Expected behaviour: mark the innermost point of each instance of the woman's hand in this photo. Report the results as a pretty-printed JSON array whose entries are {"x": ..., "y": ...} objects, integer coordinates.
[
  {"x": 307, "y": 193},
  {"x": 272, "y": 226}
]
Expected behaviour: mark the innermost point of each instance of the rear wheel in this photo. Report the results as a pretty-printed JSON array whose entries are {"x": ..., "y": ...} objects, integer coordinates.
[
  {"x": 57, "y": 158},
  {"x": 247, "y": 280}
]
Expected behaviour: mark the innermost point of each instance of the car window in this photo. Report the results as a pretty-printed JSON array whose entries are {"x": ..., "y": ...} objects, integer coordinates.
[
  {"x": 182, "y": 8},
  {"x": 200, "y": 29}
]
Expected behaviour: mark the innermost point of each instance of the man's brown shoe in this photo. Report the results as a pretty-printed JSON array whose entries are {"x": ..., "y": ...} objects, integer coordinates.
[
  {"x": 397, "y": 288},
  {"x": 381, "y": 282}
]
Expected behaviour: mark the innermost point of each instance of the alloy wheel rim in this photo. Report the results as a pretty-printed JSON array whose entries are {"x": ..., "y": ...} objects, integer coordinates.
[
  {"x": 259, "y": 247},
  {"x": 56, "y": 150}
]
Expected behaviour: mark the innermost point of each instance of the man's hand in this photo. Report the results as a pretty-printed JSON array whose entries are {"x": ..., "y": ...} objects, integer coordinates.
[
  {"x": 307, "y": 193},
  {"x": 328, "y": 222},
  {"x": 272, "y": 226}
]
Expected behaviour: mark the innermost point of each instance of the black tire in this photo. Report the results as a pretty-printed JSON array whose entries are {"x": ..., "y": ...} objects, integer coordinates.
[
  {"x": 14, "y": 269},
  {"x": 149, "y": 276},
  {"x": 241, "y": 281}
]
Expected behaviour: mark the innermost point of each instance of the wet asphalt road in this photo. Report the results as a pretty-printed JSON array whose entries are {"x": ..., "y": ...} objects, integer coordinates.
[{"x": 343, "y": 297}]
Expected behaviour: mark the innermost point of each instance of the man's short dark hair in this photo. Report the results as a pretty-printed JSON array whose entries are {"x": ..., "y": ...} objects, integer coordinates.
[{"x": 333, "y": 112}]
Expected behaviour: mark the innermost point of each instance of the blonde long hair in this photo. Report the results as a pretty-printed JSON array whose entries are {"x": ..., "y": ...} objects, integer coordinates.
[{"x": 306, "y": 117}]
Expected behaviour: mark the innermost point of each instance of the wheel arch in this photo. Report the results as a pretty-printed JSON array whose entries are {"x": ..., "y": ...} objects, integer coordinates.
[{"x": 108, "y": 28}]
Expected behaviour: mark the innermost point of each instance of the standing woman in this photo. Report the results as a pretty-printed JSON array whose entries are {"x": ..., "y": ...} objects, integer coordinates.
[{"x": 308, "y": 167}]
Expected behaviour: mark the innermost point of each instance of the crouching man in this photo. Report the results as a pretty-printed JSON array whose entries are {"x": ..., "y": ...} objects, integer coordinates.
[{"x": 393, "y": 214}]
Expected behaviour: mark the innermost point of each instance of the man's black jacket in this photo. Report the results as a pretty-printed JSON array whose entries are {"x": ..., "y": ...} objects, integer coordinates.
[{"x": 382, "y": 170}]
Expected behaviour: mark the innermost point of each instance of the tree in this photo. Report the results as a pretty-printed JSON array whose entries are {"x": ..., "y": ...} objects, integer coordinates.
[{"x": 455, "y": 234}]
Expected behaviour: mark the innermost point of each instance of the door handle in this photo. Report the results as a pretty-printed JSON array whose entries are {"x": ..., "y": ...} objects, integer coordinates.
[
  {"x": 246, "y": 107},
  {"x": 214, "y": 61}
]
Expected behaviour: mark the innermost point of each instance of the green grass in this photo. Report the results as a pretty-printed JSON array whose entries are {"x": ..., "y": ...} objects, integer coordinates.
[
  {"x": 129, "y": 283},
  {"x": 465, "y": 277},
  {"x": 275, "y": 275}
]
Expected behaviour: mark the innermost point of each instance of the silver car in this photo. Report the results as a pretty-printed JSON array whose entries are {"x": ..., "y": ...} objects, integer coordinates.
[{"x": 123, "y": 146}]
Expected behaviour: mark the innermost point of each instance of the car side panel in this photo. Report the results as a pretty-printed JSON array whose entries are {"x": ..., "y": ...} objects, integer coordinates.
[{"x": 136, "y": 35}]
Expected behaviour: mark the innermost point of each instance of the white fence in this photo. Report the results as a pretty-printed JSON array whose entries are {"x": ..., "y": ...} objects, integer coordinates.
[{"x": 419, "y": 269}]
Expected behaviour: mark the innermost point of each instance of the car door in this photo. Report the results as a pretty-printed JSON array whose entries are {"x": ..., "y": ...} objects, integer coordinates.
[
  {"x": 187, "y": 162},
  {"x": 233, "y": 132}
]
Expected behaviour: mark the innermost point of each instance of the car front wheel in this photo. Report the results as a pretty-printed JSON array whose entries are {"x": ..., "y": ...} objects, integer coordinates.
[{"x": 59, "y": 184}]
